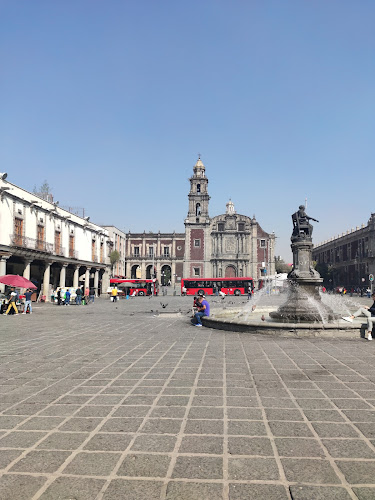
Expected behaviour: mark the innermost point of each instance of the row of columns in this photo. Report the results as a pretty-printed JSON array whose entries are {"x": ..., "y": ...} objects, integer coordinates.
[{"x": 47, "y": 275}]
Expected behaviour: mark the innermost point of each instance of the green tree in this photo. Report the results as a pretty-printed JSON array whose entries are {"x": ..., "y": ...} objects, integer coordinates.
[
  {"x": 114, "y": 257},
  {"x": 281, "y": 266}
]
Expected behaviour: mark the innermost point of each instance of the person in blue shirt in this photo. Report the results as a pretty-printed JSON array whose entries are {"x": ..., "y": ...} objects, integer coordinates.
[
  {"x": 203, "y": 310},
  {"x": 28, "y": 295},
  {"x": 67, "y": 298}
]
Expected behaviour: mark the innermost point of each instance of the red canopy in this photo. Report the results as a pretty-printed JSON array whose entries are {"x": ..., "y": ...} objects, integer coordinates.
[{"x": 16, "y": 280}]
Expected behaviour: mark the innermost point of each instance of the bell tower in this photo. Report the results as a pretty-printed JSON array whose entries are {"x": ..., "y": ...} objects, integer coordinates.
[
  {"x": 198, "y": 195},
  {"x": 197, "y": 224}
]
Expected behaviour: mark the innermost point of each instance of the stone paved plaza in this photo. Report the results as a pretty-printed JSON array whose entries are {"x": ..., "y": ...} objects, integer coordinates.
[{"x": 109, "y": 402}]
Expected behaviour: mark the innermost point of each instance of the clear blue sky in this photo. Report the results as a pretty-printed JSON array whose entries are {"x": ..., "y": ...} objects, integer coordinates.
[{"x": 111, "y": 102}]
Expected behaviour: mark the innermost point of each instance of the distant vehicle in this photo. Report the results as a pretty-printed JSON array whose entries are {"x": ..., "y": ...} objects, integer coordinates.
[
  {"x": 139, "y": 286},
  {"x": 209, "y": 286}
]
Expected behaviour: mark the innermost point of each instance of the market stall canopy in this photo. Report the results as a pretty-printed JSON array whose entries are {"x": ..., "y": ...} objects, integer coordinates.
[{"x": 16, "y": 280}]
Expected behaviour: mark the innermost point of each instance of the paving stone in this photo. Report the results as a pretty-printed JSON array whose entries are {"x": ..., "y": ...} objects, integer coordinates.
[
  {"x": 21, "y": 439},
  {"x": 208, "y": 412},
  {"x": 131, "y": 411},
  {"x": 249, "y": 446},
  {"x": 143, "y": 465},
  {"x": 19, "y": 487},
  {"x": 326, "y": 430},
  {"x": 154, "y": 442},
  {"x": 357, "y": 472},
  {"x": 168, "y": 412},
  {"x": 178, "y": 490},
  {"x": 63, "y": 441},
  {"x": 283, "y": 414},
  {"x": 196, "y": 467},
  {"x": 73, "y": 488},
  {"x": 364, "y": 493},
  {"x": 92, "y": 464},
  {"x": 257, "y": 492},
  {"x": 243, "y": 469},
  {"x": 41, "y": 423},
  {"x": 108, "y": 442},
  {"x": 8, "y": 422},
  {"x": 305, "y": 470},
  {"x": 133, "y": 490},
  {"x": 41, "y": 461},
  {"x": 298, "y": 447},
  {"x": 348, "y": 448},
  {"x": 323, "y": 415},
  {"x": 165, "y": 426},
  {"x": 204, "y": 427},
  {"x": 319, "y": 493},
  {"x": 278, "y": 403},
  {"x": 7, "y": 456},
  {"x": 201, "y": 444},
  {"x": 246, "y": 427}
]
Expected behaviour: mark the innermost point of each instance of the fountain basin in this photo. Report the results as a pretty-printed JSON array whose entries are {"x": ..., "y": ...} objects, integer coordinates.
[{"x": 232, "y": 322}]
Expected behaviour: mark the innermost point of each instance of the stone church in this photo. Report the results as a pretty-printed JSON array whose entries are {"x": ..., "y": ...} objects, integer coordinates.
[{"x": 226, "y": 245}]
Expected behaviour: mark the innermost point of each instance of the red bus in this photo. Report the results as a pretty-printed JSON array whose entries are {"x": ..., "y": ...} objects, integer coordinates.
[
  {"x": 139, "y": 286},
  {"x": 209, "y": 286}
]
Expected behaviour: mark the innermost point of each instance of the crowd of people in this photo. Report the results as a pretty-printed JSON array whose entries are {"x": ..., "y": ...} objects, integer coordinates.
[{"x": 78, "y": 296}]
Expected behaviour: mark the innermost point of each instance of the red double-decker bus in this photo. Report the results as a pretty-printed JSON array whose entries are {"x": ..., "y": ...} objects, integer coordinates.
[
  {"x": 139, "y": 286},
  {"x": 209, "y": 286}
]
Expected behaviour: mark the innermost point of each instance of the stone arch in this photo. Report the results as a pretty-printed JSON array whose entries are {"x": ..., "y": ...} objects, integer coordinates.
[
  {"x": 135, "y": 271},
  {"x": 150, "y": 273},
  {"x": 230, "y": 272},
  {"x": 166, "y": 274}
]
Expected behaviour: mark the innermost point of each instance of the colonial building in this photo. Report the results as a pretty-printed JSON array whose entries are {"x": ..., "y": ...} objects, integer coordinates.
[
  {"x": 226, "y": 245},
  {"x": 155, "y": 255},
  {"x": 49, "y": 245},
  {"x": 118, "y": 243},
  {"x": 349, "y": 257}
]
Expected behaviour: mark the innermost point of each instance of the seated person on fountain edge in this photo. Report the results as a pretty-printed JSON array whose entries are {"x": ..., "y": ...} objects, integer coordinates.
[{"x": 369, "y": 312}]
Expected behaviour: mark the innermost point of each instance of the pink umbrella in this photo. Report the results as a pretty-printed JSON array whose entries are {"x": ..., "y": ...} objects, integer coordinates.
[{"x": 16, "y": 280}]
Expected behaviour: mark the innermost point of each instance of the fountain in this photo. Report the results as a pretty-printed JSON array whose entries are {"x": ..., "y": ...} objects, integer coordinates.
[{"x": 303, "y": 313}]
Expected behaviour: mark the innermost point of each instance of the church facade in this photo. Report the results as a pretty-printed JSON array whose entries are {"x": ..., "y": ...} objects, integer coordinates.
[{"x": 227, "y": 245}]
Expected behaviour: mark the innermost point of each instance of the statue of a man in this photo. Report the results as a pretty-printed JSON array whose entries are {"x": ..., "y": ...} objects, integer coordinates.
[{"x": 301, "y": 225}]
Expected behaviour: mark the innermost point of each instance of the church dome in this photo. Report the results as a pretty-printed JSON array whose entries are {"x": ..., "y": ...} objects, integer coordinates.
[{"x": 230, "y": 208}]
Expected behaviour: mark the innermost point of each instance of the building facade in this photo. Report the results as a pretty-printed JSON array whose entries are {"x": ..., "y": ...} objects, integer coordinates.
[
  {"x": 350, "y": 257},
  {"x": 48, "y": 245},
  {"x": 118, "y": 244},
  {"x": 227, "y": 245},
  {"x": 155, "y": 255}
]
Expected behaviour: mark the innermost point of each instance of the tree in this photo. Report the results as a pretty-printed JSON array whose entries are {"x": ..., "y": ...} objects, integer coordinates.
[
  {"x": 44, "y": 191},
  {"x": 114, "y": 257},
  {"x": 281, "y": 266}
]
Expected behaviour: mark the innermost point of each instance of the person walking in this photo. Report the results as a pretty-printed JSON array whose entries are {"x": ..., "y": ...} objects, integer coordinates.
[
  {"x": 67, "y": 297},
  {"x": 79, "y": 296},
  {"x": 92, "y": 295},
  {"x": 114, "y": 294},
  {"x": 249, "y": 293},
  {"x": 203, "y": 310},
  {"x": 59, "y": 296},
  {"x": 12, "y": 302},
  {"x": 367, "y": 311},
  {"x": 28, "y": 295}
]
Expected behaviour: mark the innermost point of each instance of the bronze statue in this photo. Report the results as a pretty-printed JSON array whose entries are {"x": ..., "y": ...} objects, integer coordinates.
[{"x": 301, "y": 224}]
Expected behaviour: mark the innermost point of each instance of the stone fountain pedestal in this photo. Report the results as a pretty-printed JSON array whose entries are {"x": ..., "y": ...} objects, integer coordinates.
[{"x": 303, "y": 303}]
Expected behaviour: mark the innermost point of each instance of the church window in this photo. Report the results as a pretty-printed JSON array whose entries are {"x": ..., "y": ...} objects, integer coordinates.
[
  {"x": 197, "y": 243},
  {"x": 197, "y": 271},
  {"x": 241, "y": 226},
  {"x": 220, "y": 226},
  {"x": 198, "y": 188},
  {"x": 197, "y": 220},
  {"x": 263, "y": 243},
  {"x": 198, "y": 209}
]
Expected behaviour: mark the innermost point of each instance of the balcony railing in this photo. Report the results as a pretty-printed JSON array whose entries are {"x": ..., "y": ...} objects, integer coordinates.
[
  {"x": 73, "y": 254},
  {"x": 31, "y": 243},
  {"x": 59, "y": 250}
]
